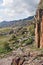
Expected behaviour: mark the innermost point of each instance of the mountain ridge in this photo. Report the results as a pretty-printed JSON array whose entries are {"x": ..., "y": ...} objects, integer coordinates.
[{"x": 16, "y": 22}]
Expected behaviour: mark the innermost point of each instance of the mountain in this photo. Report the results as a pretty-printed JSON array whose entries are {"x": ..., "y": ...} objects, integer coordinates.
[
  {"x": 29, "y": 18},
  {"x": 20, "y": 22}
]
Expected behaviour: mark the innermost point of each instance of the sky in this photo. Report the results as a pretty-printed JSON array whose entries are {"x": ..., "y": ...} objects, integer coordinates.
[{"x": 17, "y": 9}]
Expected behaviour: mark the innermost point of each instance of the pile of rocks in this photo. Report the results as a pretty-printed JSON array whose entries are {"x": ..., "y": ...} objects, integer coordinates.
[
  {"x": 27, "y": 58},
  {"x": 23, "y": 57}
]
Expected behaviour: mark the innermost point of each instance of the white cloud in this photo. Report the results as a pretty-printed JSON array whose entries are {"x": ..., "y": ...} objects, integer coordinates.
[
  {"x": 7, "y": 2},
  {"x": 1, "y": 19},
  {"x": 16, "y": 9}
]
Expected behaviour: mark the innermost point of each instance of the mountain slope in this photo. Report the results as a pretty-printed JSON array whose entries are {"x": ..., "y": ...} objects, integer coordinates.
[{"x": 16, "y": 22}]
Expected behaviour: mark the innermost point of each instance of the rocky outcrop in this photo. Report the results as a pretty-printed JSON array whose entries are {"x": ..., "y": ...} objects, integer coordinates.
[
  {"x": 18, "y": 61},
  {"x": 39, "y": 26},
  {"x": 27, "y": 58}
]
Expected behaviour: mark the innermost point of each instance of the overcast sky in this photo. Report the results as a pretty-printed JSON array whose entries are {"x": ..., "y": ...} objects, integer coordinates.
[{"x": 17, "y": 9}]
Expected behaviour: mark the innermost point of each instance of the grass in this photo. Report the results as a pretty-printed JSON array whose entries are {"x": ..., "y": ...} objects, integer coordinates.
[
  {"x": 5, "y": 29},
  {"x": 13, "y": 40},
  {"x": 3, "y": 40}
]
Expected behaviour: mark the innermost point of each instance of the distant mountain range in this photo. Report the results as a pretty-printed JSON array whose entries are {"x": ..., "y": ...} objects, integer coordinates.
[{"x": 20, "y": 22}]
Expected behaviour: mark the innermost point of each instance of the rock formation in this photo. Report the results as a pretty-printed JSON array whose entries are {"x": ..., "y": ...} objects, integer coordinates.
[{"x": 39, "y": 25}]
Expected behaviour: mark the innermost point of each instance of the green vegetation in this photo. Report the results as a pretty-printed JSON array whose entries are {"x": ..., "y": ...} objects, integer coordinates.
[
  {"x": 29, "y": 41},
  {"x": 18, "y": 38},
  {"x": 6, "y": 46},
  {"x": 21, "y": 37},
  {"x": 31, "y": 29},
  {"x": 7, "y": 29}
]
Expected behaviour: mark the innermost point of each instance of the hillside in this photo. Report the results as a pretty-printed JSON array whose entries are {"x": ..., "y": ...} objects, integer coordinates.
[{"x": 20, "y": 22}]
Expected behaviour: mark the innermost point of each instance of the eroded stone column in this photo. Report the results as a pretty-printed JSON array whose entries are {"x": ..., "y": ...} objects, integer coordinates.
[
  {"x": 36, "y": 35},
  {"x": 41, "y": 35}
]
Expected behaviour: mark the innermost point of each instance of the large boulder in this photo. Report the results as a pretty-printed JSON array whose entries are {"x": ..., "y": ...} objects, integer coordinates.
[{"x": 18, "y": 61}]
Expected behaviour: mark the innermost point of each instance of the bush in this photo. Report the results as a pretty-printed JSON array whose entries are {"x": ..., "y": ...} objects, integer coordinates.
[
  {"x": 6, "y": 46},
  {"x": 23, "y": 41},
  {"x": 29, "y": 41},
  {"x": 13, "y": 37},
  {"x": 32, "y": 30}
]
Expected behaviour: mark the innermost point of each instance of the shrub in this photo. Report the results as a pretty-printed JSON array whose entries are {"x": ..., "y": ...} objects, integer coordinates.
[
  {"x": 29, "y": 41},
  {"x": 6, "y": 46},
  {"x": 31, "y": 30},
  {"x": 23, "y": 41},
  {"x": 13, "y": 37}
]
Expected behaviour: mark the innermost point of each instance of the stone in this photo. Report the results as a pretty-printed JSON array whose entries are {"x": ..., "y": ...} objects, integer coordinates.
[
  {"x": 15, "y": 61},
  {"x": 39, "y": 26},
  {"x": 18, "y": 61}
]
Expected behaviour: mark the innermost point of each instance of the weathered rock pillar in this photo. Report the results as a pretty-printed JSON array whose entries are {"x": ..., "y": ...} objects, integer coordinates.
[
  {"x": 36, "y": 35},
  {"x": 37, "y": 29},
  {"x": 39, "y": 26},
  {"x": 41, "y": 35}
]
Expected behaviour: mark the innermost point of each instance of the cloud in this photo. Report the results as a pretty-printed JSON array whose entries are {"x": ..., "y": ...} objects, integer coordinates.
[
  {"x": 1, "y": 19},
  {"x": 17, "y": 9},
  {"x": 7, "y": 2}
]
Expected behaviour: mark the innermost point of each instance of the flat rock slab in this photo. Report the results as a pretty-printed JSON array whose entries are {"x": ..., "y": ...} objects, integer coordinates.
[{"x": 6, "y": 61}]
